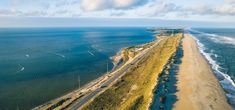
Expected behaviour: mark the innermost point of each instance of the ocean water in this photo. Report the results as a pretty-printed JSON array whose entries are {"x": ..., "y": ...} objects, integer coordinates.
[
  {"x": 218, "y": 47},
  {"x": 40, "y": 64}
]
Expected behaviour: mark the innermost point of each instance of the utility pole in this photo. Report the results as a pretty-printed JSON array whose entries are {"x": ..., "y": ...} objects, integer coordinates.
[
  {"x": 107, "y": 66},
  {"x": 79, "y": 81}
]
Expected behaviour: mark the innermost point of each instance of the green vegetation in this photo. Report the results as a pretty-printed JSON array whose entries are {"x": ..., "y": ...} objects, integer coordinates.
[
  {"x": 133, "y": 91},
  {"x": 168, "y": 32},
  {"x": 130, "y": 52}
]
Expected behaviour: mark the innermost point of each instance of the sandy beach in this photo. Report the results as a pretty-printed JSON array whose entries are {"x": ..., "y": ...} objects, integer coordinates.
[{"x": 198, "y": 88}]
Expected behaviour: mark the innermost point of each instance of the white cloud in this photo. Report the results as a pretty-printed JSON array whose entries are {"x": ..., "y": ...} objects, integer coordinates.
[
  {"x": 227, "y": 8},
  {"x": 169, "y": 9},
  {"x": 117, "y": 14},
  {"x": 97, "y": 5},
  {"x": 230, "y": 1},
  {"x": 126, "y": 3},
  {"x": 92, "y": 5},
  {"x": 123, "y": 3},
  {"x": 165, "y": 8}
]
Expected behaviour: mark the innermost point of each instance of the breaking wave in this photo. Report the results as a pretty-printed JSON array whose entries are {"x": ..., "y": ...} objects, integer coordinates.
[
  {"x": 217, "y": 38},
  {"x": 225, "y": 80}
]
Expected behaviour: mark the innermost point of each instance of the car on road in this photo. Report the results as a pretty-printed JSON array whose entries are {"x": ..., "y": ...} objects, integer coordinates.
[{"x": 103, "y": 86}]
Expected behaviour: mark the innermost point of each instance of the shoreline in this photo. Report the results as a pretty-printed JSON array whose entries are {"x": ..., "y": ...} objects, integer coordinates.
[
  {"x": 126, "y": 67},
  {"x": 85, "y": 89},
  {"x": 126, "y": 53},
  {"x": 225, "y": 80},
  {"x": 205, "y": 91},
  {"x": 134, "y": 91}
]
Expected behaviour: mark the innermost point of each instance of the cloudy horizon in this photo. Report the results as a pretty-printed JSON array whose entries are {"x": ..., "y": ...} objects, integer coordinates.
[{"x": 213, "y": 11}]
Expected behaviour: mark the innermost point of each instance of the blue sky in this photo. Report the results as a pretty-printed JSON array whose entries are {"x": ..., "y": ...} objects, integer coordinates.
[{"x": 26, "y": 13}]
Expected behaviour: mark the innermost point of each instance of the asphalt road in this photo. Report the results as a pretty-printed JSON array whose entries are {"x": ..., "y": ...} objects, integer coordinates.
[{"x": 79, "y": 103}]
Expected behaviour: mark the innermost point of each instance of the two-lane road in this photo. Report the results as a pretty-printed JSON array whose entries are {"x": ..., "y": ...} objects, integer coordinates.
[{"x": 115, "y": 76}]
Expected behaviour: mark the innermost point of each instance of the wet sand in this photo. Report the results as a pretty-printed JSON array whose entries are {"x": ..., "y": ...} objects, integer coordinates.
[{"x": 198, "y": 88}]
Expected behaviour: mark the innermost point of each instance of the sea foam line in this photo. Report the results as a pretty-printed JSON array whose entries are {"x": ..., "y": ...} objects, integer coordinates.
[
  {"x": 217, "y": 38},
  {"x": 90, "y": 53},
  {"x": 57, "y": 54},
  {"x": 21, "y": 69},
  {"x": 225, "y": 80}
]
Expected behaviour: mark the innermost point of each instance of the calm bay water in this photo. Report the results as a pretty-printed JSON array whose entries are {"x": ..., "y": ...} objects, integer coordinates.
[
  {"x": 218, "y": 46},
  {"x": 40, "y": 64}
]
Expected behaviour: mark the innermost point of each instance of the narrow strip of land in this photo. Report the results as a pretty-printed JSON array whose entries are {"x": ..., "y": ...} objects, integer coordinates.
[
  {"x": 80, "y": 103},
  {"x": 78, "y": 98},
  {"x": 134, "y": 90},
  {"x": 128, "y": 87},
  {"x": 198, "y": 87}
]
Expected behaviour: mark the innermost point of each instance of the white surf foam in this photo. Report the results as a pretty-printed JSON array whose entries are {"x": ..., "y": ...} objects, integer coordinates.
[
  {"x": 21, "y": 69},
  {"x": 217, "y": 38},
  {"x": 225, "y": 80},
  {"x": 97, "y": 48},
  {"x": 223, "y": 39},
  {"x": 58, "y": 54},
  {"x": 27, "y": 55},
  {"x": 90, "y": 53}
]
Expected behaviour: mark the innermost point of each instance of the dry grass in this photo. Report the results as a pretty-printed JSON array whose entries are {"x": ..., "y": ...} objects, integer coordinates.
[{"x": 122, "y": 96}]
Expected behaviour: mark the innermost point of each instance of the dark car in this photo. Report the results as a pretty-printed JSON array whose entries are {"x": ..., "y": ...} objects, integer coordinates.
[{"x": 103, "y": 86}]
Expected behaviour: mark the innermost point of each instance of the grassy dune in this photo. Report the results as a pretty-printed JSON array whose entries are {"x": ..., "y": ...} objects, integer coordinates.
[{"x": 133, "y": 91}]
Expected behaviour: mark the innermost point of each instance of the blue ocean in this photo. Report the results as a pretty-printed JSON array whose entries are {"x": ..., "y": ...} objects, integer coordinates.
[
  {"x": 218, "y": 47},
  {"x": 40, "y": 64}
]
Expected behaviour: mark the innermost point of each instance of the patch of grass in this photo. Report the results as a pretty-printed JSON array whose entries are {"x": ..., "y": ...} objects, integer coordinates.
[
  {"x": 130, "y": 52},
  {"x": 133, "y": 91},
  {"x": 137, "y": 103}
]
